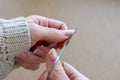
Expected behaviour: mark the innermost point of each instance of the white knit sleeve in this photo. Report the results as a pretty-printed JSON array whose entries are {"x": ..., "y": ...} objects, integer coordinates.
[{"x": 14, "y": 39}]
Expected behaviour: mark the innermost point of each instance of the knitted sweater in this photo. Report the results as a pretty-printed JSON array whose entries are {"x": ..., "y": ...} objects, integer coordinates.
[{"x": 14, "y": 39}]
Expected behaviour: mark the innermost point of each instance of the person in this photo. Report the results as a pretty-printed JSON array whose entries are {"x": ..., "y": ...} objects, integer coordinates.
[
  {"x": 18, "y": 35},
  {"x": 62, "y": 70}
]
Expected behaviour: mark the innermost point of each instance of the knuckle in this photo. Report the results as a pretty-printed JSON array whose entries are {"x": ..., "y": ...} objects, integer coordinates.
[
  {"x": 73, "y": 76},
  {"x": 59, "y": 34},
  {"x": 63, "y": 25},
  {"x": 58, "y": 69}
]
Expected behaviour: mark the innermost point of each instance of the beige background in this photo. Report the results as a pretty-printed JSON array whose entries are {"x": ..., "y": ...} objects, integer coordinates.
[{"x": 94, "y": 50}]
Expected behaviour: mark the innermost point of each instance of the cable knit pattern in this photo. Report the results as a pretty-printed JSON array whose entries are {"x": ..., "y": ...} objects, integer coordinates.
[{"x": 14, "y": 39}]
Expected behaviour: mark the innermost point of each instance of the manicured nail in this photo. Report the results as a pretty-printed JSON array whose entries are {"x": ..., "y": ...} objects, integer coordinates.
[
  {"x": 69, "y": 32},
  {"x": 35, "y": 51},
  {"x": 39, "y": 52},
  {"x": 53, "y": 45},
  {"x": 52, "y": 54}
]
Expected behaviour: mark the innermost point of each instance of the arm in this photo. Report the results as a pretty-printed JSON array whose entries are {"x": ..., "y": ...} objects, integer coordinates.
[{"x": 14, "y": 39}]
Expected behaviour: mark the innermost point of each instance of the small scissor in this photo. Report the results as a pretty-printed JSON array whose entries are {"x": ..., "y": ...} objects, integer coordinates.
[{"x": 59, "y": 55}]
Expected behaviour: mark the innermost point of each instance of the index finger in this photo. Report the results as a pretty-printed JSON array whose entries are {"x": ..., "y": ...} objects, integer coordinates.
[
  {"x": 57, "y": 24},
  {"x": 72, "y": 73}
]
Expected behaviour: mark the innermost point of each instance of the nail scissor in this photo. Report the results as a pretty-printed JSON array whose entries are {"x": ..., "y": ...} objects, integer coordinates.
[{"x": 59, "y": 55}]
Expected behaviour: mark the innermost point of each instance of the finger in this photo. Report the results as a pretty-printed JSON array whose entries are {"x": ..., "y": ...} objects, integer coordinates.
[
  {"x": 46, "y": 22},
  {"x": 51, "y": 58},
  {"x": 73, "y": 73},
  {"x": 43, "y": 21},
  {"x": 56, "y": 45},
  {"x": 60, "y": 45},
  {"x": 30, "y": 66},
  {"x": 28, "y": 57},
  {"x": 40, "y": 20},
  {"x": 58, "y": 72},
  {"x": 41, "y": 51},
  {"x": 40, "y": 43},
  {"x": 57, "y": 24},
  {"x": 33, "y": 59},
  {"x": 54, "y": 35},
  {"x": 43, "y": 76},
  {"x": 48, "y": 34},
  {"x": 53, "y": 45}
]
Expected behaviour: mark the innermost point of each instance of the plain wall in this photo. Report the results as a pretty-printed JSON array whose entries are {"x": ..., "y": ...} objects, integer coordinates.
[{"x": 94, "y": 49}]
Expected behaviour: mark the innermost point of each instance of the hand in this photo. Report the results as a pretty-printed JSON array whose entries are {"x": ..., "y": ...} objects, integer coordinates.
[
  {"x": 42, "y": 28},
  {"x": 31, "y": 60},
  {"x": 62, "y": 70}
]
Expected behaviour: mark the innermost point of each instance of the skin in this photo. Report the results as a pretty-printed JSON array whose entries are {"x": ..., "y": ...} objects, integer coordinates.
[
  {"x": 52, "y": 32},
  {"x": 42, "y": 28},
  {"x": 62, "y": 70},
  {"x": 30, "y": 60}
]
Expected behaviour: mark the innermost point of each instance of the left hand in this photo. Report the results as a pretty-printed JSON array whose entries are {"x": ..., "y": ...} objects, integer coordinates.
[{"x": 32, "y": 60}]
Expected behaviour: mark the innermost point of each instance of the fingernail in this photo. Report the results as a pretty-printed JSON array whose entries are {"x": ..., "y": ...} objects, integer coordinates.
[
  {"x": 52, "y": 54},
  {"x": 39, "y": 52},
  {"x": 69, "y": 32},
  {"x": 53, "y": 45},
  {"x": 35, "y": 51}
]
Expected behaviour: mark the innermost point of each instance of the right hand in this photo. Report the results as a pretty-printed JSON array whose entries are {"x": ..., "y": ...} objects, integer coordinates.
[{"x": 62, "y": 70}]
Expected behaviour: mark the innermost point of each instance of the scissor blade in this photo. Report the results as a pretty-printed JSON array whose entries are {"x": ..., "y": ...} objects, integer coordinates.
[{"x": 67, "y": 42}]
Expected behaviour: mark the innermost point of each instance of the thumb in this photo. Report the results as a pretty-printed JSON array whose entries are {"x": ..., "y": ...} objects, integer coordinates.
[
  {"x": 58, "y": 72},
  {"x": 49, "y": 34},
  {"x": 55, "y": 35},
  {"x": 43, "y": 76},
  {"x": 73, "y": 73}
]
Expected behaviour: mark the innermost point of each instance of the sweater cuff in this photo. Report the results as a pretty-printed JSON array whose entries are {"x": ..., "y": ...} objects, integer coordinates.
[{"x": 15, "y": 37}]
